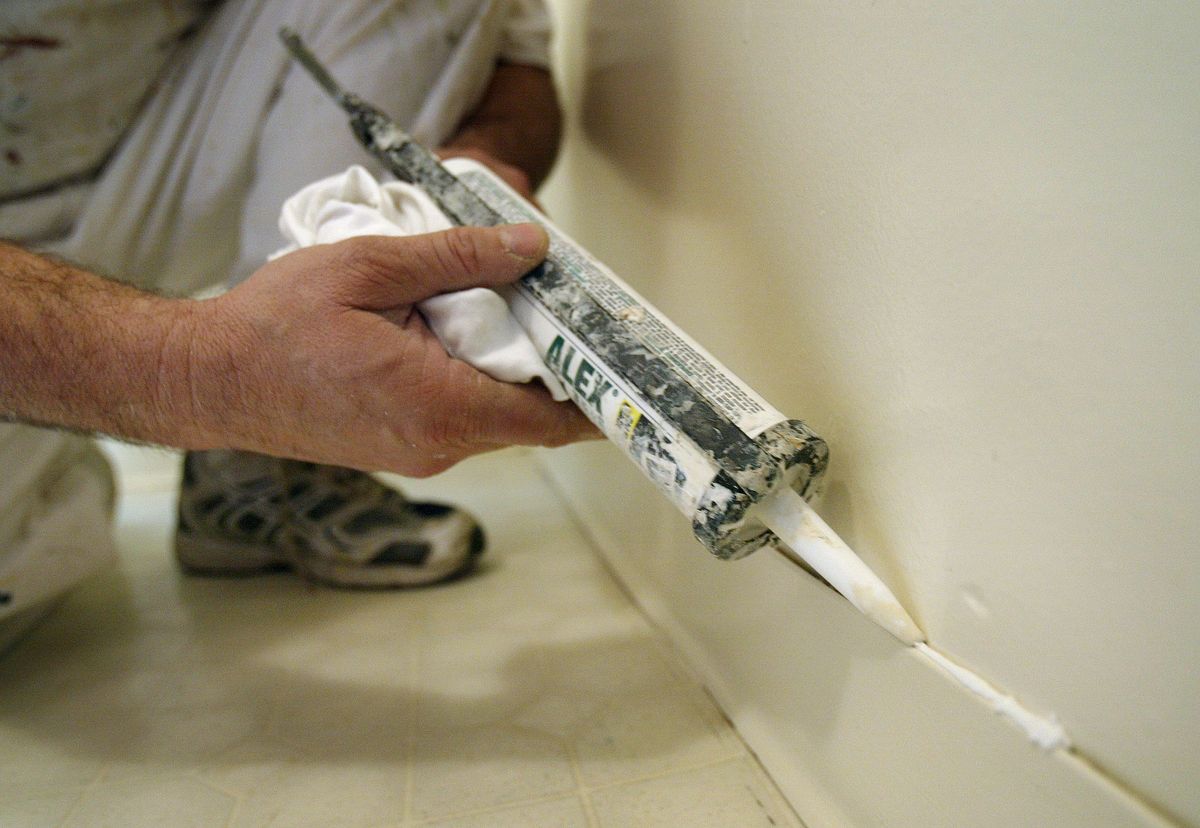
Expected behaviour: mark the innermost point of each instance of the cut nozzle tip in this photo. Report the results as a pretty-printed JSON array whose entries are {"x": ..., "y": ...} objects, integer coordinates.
[
  {"x": 877, "y": 602},
  {"x": 907, "y": 631},
  {"x": 810, "y": 539}
]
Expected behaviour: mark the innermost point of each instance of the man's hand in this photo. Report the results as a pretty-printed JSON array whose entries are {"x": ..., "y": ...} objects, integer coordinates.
[{"x": 321, "y": 355}]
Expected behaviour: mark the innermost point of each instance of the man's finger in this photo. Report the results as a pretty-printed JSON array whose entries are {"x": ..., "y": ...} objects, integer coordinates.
[
  {"x": 381, "y": 272},
  {"x": 530, "y": 417},
  {"x": 486, "y": 411}
]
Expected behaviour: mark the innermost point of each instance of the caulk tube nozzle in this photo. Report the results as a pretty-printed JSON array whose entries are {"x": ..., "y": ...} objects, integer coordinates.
[{"x": 811, "y": 539}]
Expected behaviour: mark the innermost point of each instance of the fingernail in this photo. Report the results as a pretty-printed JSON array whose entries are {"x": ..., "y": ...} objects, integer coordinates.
[{"x": 526, "y": 241}]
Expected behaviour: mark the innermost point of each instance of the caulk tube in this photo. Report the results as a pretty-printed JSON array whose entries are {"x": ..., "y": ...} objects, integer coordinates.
[
  {"x": 728, "y": 460},
  {"x": 783, "y": 452},
  {"x": 701, "y": 435}
]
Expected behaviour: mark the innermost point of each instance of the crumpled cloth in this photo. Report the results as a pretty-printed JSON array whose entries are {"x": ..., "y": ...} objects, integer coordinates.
[{"x": 473, "y": 325}]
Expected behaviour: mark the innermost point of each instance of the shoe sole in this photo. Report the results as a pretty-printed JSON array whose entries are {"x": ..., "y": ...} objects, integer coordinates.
[{"x": 217, "y": 557}]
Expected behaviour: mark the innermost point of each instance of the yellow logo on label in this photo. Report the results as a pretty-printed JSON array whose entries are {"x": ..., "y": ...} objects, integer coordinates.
[{"x": 627, "y": 418}]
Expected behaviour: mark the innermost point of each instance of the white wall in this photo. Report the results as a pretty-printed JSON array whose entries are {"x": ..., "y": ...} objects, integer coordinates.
[{"x": 962, "y": 241}]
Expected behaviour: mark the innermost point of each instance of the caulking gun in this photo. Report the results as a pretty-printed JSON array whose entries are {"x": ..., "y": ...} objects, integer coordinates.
[{"x": 725, "y": 458}]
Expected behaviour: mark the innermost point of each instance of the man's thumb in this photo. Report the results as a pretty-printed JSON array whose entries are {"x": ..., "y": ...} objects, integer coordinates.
[{"x": 386, "y": 271}]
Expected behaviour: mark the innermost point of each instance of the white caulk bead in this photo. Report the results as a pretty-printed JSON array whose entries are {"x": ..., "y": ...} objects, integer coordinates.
[{"x": 1046, "y": 732}]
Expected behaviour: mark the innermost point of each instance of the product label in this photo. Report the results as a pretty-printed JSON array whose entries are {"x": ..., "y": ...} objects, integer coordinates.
[
  {"x": 672, "y": 462},
  {"x": 727, "y": 394},
  {"x": 569, "y": 363}
]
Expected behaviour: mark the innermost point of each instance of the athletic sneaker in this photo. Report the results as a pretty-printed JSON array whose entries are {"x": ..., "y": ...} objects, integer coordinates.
[{"x": 242, "y": 513}]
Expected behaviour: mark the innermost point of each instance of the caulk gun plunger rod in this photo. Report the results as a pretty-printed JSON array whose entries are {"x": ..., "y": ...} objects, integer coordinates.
[
  {"x": 319, "y": 73},
  {"x": 374, "y": 129}
]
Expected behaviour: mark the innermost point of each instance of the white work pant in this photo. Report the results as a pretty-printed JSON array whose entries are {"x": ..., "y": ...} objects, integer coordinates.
[{"x": 191, "y": 200}]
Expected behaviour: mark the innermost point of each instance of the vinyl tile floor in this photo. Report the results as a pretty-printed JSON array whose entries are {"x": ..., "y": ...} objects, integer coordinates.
[{"x": 532, "y": 693}]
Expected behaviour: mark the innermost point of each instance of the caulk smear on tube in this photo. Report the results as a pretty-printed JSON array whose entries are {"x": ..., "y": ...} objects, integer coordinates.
[{"x": 809, "y": 537}]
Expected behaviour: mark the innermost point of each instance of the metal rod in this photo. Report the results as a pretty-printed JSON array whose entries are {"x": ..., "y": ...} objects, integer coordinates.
[{"x": 309, "y": 61}]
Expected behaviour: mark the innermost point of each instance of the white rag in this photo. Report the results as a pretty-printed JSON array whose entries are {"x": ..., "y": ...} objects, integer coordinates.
[{"x": 473, "y": 325}]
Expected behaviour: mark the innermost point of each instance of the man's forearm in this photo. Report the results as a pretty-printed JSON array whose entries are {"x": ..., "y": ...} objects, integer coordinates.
[
  {"x": 82, "y": 352},
  {"x": 320, "y": 355},
  {"x": 518, "y": 121}
]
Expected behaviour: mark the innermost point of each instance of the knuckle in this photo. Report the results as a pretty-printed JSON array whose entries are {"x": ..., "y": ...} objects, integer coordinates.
[
  {"x": 458, "y": 250},
  {"x": 448, "y": 426},
  {"x": 565, "y": 424},
  {"x": 356, "y": 257},
  {"x": 429, "y": 449},
  {"x": 445, "y": 433},
  {"x": 442, "y": 429},
  {"x": 423, "y": 467},
  {"x": 357, "y": 262},
  {"x": 557, "y": 438}
]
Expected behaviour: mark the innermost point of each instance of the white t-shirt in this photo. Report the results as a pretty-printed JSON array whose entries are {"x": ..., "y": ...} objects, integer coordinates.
[
  {"x": 74, "y": 74},
  {"x": 77, "y": 79}
]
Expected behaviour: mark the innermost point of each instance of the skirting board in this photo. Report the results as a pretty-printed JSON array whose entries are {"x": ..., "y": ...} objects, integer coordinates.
[{"x": 855, "y": 728}]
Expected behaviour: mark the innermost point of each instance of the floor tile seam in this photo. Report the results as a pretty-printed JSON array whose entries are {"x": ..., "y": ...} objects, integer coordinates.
[
  {"x": 79, "y": 792},
  {"x": 546, "y": 796},
  {"x": 591, "y": 541},
  {"x": 700, "y": 698},
  {"x": 494, "y": 809},
  {"x": 427, "y": 737},
  {"x": 778, "y": 800},
  {"x": 667, "y": 652},
  {"x": 734, "y": 748},
  {"x": 234, "y": 812},
  {"x": 668, "y": 655},
  {"x": 198, "y": 775},
  {"x": 194, "y": 774},
  {"x": 688, "y": 767},
  {"x": 413, "y": 660},
  {"x": 774, "y": 786},
  {"x": 589, "y": 811},
  {"x": 583, "y": 790},
  {"x": 43, "y": 793},
  {"x": 730, "y": 747},
  {"x": 83, "y": 794},
  {"x": 550, "y": 795}
]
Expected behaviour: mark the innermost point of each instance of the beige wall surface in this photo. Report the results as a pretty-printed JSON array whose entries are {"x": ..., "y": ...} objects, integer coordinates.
[{"x": 962, "y": 241}]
